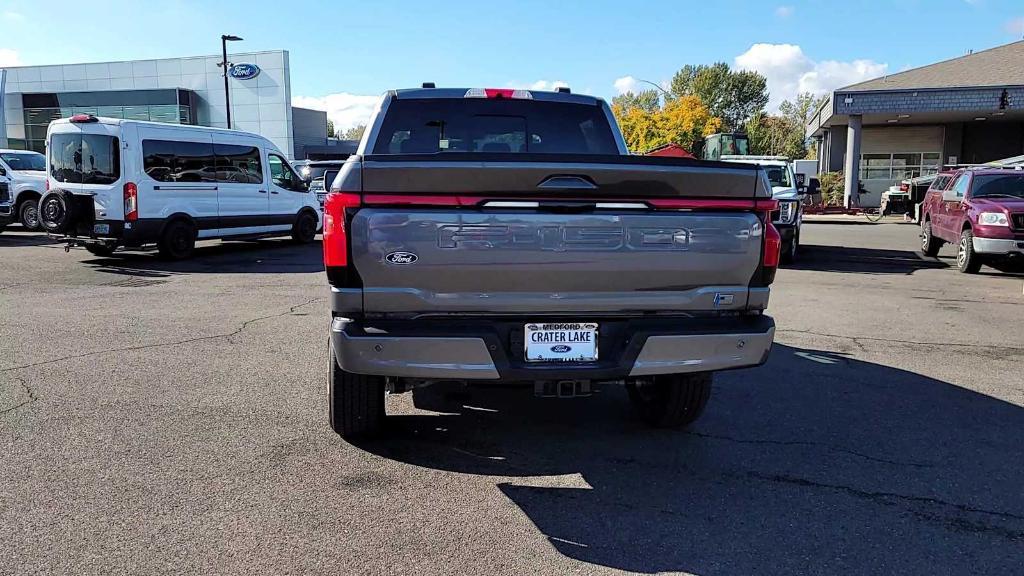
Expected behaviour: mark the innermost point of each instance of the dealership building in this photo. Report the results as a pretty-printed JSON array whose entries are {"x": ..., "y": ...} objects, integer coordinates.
[
  {"x": 967, "y": 110},
  {"x": 172, "y": 90}
]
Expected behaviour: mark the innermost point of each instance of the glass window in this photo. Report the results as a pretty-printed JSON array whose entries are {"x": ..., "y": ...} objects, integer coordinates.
[
  {"x": 238, "y": 164},
  {"x": 173, "y": 161},
  {"x": 24, "y": 161},
  {"x": 79, "y": 158},
  {"x": 282, "y": 175},
  {"x": 779, "y": 176},
  {"x": 998, "y": 185},
  {"x": 429, "y": 126},
  {"x": 960, "y": 186}
]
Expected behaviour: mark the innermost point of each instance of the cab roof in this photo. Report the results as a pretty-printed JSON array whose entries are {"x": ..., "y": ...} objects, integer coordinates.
[{"x": 538, "y": 95}]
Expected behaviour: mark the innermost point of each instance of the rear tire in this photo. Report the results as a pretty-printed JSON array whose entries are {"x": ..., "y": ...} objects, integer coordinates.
[
  {"x": 29, "y": 214},
  {"x": 356, "y": 402},
  {"x": 967, "y": 261},
  {"x": 178, "y": 240},
  {"x": 671, "y": 401},
  {"x": 929, "y": 244},
  {"x": 304, "y": 229}
]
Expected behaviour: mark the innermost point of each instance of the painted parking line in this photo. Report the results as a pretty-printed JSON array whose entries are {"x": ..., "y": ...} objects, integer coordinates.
[{"x": 816, "y": 358}]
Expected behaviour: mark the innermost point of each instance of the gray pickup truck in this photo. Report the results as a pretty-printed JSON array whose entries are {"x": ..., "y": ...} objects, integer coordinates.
[{"x": 490, "y": 236}]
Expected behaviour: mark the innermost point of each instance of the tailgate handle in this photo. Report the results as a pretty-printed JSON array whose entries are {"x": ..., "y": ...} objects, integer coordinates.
[{"x": 567, "y": 182}]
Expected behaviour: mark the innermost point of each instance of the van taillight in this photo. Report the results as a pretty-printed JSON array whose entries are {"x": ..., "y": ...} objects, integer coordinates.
[
  {"x": 336, "y": 233},
  {"x": 131, "y": 202}
]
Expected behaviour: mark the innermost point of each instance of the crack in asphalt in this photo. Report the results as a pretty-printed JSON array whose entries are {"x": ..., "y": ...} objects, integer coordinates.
[
  {"x": 228, "y": 336},
  {"x": 28, "y": 390},
  {"x": 887, "y": 498},
  {"x": 857, "y": 339},
  {"x": 831, "y": 447}
]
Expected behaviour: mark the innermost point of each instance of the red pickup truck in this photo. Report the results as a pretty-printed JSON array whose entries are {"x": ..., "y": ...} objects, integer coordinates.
[{"x": 979, "y": 210}]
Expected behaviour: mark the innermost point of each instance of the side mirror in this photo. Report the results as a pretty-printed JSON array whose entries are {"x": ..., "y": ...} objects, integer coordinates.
[
  {"x": 951, "y": 196},
  {"x": 801, "y": 189}
]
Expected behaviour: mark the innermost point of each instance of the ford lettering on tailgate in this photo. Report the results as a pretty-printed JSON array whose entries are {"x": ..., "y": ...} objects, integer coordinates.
[{"x": 560, "y": 238}]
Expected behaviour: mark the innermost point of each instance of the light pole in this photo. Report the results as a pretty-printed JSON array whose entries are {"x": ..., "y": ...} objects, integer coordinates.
[{"x": 224, "y": 39}]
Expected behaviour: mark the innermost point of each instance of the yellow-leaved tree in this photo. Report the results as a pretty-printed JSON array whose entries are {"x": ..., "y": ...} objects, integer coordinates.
[{"x": 682, "y": 121}]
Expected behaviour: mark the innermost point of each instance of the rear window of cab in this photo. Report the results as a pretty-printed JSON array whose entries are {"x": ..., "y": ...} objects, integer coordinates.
[{"x": 438, "y": 125}]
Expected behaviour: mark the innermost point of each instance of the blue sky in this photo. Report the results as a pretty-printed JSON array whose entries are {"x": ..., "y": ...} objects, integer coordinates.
[{"x": 342, "y": 53}]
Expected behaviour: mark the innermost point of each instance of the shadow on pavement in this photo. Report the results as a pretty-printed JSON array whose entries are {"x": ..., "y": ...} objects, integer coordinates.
[
  {"x": 815, "y": 463},
  {"x": 863, "y": 260},
  {"x": 15, "y": 235},
  {"x": 276, "y": 256}
]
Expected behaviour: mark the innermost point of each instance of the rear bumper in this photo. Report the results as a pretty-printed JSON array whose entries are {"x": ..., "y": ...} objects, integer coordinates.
[
  {"x": 998, "y": 246},
  {"x": 477, "y": 349}
]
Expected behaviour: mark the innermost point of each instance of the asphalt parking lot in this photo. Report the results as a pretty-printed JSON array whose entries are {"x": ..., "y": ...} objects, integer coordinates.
[{"x": 171, "y": 418}]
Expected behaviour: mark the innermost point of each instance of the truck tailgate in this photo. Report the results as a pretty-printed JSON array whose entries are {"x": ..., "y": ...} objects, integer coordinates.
[{"x": 420, "y": 260}]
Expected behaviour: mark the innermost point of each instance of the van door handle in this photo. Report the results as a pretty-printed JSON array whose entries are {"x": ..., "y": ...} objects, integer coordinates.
[
  {"x": 263, "y": 191},
  {"x": 274, "y": 192}
]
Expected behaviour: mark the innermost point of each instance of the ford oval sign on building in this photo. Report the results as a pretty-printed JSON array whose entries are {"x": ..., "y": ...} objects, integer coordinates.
[{"x": 244, "y": 71}]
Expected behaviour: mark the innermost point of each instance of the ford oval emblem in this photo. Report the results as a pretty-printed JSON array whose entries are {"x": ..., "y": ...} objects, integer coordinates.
[
  {"x": 561, "y": 349},
  {"x": 401, "y": 258},
  {"x": 244, "y": 71}
]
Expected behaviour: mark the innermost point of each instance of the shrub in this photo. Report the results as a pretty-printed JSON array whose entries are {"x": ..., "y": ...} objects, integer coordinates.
[{"x": 832, "y": 187}]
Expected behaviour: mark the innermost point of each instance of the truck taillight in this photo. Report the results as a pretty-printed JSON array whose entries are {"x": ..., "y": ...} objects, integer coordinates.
[
  {"x": 772, "y": 253},
  {"x": 335, "y": 232},
  {"x": 131, "y": 202}
]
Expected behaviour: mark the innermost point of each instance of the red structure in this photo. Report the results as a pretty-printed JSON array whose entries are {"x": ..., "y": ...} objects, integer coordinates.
[{"x": 674, "y": 150}]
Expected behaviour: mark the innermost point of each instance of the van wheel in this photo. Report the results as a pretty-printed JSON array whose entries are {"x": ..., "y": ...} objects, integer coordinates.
[
  {"x": 29, "y": 214},
  {"x": 304, "y": 229},
  {"x": 102, "y": 250},
  {"x": 671, "y": 401},
  {"x": 356, "y": 401},
  {"x": 178, "y": 240},
  {"x": 929, "y": 244},
  {"x": 967, "y": 261}
]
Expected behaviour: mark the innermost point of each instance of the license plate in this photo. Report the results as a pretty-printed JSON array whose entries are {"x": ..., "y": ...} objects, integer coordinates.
[
  {"x": 101, "y": 228},
  {"x": 561, "y": 342}
]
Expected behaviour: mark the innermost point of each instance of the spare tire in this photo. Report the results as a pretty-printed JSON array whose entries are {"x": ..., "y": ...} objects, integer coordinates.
[{"x": 56, "y": 211}]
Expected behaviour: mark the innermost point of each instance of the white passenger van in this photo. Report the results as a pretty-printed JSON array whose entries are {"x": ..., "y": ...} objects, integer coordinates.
[{"x": 125, "y": 183}]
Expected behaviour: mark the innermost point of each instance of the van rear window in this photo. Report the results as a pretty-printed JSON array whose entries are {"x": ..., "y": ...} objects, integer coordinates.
[
  {"x": 78, "y": 158},
  {"x": 437, "y": 125}
]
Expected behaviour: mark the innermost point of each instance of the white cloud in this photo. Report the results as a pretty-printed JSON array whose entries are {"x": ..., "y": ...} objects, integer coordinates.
[
  {"x": 789, "y": 71},
  {"x": 548, "y": 85},
  {"x": 1015, "y": 26},
  {"x": 344, "y": 109},
  {"x": 626, "y": 84},
  {"x": 11, "y": 16},
  {"x": 784, "y": 11},
  {"x": 9, "y": 57}
]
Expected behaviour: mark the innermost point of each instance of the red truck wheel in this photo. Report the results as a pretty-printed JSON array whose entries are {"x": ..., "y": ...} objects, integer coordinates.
[{"x": 929, "y": 244}]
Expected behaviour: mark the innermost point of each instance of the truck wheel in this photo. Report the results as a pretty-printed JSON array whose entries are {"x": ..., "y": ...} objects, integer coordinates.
[
  {"x": 178, "y": 241},
  {"x": 304, "y": 229},
  {"x": 671, "y": 401},
  {"x": 356, "y": 402},
  {"x": 929, "y": 244},
  {"x": 789, "y": 251},
  {"x": 29, "y": 214},
  {"x": 967, "y": 261}
]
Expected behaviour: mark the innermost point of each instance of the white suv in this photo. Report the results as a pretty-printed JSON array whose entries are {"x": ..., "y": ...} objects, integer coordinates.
[{"x": 26, "y": 171}]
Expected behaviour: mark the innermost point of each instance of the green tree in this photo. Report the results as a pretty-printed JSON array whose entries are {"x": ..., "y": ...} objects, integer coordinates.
[
  {"x": 354, "y": 133},
  {"x": 732, "y": 95},
  {"x": 330, "y": 128},
  {"x": 647, "y": 100},
  {"x": 776, "y": 136}
]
